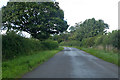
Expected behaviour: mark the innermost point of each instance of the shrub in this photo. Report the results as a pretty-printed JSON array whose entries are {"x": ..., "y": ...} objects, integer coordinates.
[
  {"x": 88, "y": 42},
  {"x": 49, "y": 44},
  {"x": 99, "y": 40},
  {"x": 14, "y": 45},
  {"x": 70, "y": 43},
  {"x": 114, "y": 39},
  {"x": 109, "y": 41}
]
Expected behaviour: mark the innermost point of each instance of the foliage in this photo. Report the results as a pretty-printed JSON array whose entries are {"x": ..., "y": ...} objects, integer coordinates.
[
  {"x": 14, "y": 45},
  {"x": 90, "y": 33},
  {"x": 49, "y": 44},
  {"x": 61, "y": 37},
  {"x": 70, "y": 43},
  {"x": 72, "y": 29},
  {"x": 110, "y": 39},
  {"x": 40, "y": 19},
  {"x": 113, "y": 38},
  {"x": 57, "y": 38},
  {"x": 99, "y": 39},
  {"x": 90, "y": 28},
  {"x": 119, "y": 39},
  {"x": 17, "y": 67},
  {"x": 88, "y": 42}
]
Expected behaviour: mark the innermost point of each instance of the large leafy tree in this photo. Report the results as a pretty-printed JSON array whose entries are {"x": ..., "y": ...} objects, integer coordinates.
[
  {"x": 40, "y": 19},
  {"x": 90, "y": 28}
]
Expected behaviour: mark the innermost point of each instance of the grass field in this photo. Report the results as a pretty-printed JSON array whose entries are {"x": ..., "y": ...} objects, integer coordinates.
[
  {"x": 108, "y": 56},
  {"x": 17, "y": 67}
]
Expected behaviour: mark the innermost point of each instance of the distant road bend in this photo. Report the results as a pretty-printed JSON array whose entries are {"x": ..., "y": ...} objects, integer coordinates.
[{"x": 74, "y": 63}]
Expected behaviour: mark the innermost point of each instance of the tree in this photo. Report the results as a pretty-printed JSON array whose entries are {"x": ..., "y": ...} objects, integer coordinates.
[
  {"x": 90, "y": 28},
  {"x": 40, "y": 19},
  {"x": 72, "y": 29}
]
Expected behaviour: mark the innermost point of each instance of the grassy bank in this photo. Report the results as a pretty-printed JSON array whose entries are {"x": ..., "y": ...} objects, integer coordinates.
[
  {"x": 17, "y": 67},
  {"x": 108, "y": 56}
]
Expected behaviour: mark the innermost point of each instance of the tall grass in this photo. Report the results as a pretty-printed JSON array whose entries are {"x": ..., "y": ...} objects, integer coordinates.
[{"x": 17, "y": 67}]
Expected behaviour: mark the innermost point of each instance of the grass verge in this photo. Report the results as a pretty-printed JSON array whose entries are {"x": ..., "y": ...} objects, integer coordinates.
[
  {"x": 17, "y": 67},
  {"x": 108, "y": 56}
]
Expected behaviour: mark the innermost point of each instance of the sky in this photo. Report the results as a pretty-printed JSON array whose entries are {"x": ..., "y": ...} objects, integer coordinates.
[{"x": 79, "y": 10}]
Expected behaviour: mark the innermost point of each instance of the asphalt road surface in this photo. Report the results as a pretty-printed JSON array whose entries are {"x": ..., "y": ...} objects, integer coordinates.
[{"x": 74, "y": 63}]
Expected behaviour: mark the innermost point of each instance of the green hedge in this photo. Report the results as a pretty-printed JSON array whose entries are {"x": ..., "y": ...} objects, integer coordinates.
[
  {"x": 70, "y": 43},
  {"x": 49, "y": 44},
  {"x": 110, "y": 39},
  {"x": 14, "y": 45}
]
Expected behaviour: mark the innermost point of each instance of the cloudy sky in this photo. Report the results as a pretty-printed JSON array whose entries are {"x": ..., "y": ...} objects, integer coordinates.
[{"x": 80, "y": 10}]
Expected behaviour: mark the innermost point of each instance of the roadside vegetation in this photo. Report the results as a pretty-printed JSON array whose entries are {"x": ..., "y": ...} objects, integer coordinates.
[
  {"x": 24, "y": 54},
  {"x": 15, "y": 45},
  {"x": 19, "y": 66},
  {"x": 91, "y": 36},
  {"x": 45, "y": 24},
  {"x": 41, "y": 20},
  {"x": 109, "y": 56}
]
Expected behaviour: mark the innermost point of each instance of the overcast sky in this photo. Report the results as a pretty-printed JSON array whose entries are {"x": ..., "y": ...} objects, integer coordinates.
[{"x": 79, "y": 10}]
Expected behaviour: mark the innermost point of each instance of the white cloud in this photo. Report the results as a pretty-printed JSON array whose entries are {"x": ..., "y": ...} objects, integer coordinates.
[{"x": 3, "y": 3}]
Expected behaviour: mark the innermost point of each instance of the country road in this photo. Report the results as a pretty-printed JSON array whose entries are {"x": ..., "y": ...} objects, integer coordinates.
[{"x": 74, "y": 63}]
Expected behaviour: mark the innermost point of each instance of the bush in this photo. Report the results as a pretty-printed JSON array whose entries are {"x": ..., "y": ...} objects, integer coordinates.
[
  {"x": 12, "y": 45},
  {"x": 88, "y": 42},
  {"x": 49, "y": 44},
  {"x": 70, "y": 43},
  {"x": 109, "y": 39},
  {"x": 114, "y": 39},
  {"x": 99, "y": 40},
  {"x": 15, "y": 45}
]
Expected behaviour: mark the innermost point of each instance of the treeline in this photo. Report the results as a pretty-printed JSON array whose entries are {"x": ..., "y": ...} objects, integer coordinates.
[
  {"x": 90, "y": 33},
  {"x": 14, "y": 45}
]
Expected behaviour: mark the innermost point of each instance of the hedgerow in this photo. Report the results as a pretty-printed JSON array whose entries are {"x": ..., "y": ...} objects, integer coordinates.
[{"x": 14, "y": 45}]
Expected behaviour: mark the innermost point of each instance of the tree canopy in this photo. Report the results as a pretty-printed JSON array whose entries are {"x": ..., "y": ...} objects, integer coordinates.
[
  {"x": 90, "y": 28},
  {"x": 40, "y": 19}
]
